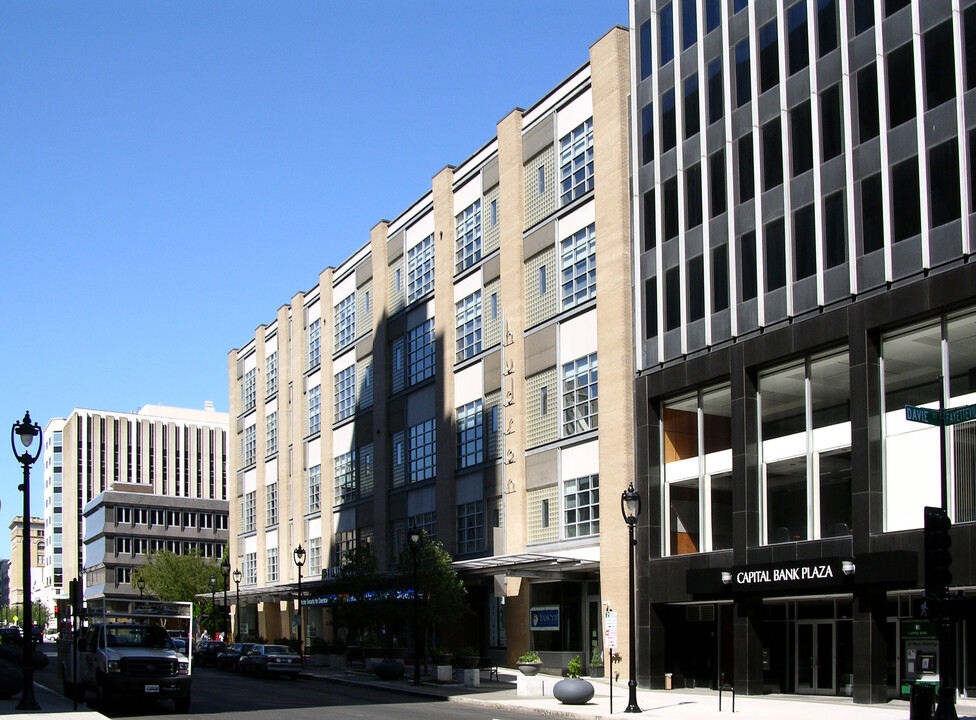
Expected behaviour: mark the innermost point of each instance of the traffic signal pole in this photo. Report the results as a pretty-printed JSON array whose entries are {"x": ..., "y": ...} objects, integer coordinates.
[{"x": 946, "y": 708}]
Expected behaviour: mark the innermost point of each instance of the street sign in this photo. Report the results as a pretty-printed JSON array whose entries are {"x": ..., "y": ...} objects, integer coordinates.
[
  {"x": 922, "y": 415},
  {"x": 959, "y": 414},
  {"x": 610, "y": 629}
]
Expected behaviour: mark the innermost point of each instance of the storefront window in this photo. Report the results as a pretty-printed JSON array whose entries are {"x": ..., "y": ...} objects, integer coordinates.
[
  {"x": 697, "y": 465},
  {"x": 560, "y": 606}
]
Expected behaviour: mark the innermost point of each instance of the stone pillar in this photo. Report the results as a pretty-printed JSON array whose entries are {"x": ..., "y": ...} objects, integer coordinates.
[
  {"x": 870, "y": 647},
  {"x": 747, "y": 674}
]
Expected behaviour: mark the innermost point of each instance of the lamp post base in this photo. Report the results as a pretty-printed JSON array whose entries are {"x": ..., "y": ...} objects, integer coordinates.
[{"x": 632, "y": 698}]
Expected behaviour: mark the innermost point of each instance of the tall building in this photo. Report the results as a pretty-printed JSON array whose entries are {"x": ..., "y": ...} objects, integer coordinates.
[
  {"x": 107, "y": 478},
  {"x": 35, "y": 538},
  {"x": 804, "y": 184},
  {"x": 4, "y": 585},
  {"x": 446, "y": 376}
]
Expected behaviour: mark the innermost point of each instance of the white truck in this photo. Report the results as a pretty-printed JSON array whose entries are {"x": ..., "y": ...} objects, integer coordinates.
[{"x": 125, "y": 652}]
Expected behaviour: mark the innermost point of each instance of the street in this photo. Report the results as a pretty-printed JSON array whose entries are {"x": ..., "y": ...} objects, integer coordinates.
[{"x": 219, "y": 694}]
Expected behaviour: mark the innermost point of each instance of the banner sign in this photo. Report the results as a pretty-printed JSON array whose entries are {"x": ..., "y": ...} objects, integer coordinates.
[
  {"x": 544, "y": 617},
  {"x": 803, "y": 575}
]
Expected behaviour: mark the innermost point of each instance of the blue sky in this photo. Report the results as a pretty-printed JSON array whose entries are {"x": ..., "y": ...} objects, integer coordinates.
[{"x": 173, "y": 172}]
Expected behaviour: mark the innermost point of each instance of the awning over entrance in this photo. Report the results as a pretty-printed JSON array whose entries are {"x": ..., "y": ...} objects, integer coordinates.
[{"x": 527, "y": 565}]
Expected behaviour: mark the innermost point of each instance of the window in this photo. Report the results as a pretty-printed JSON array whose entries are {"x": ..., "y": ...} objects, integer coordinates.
[
  {"x": 743, "y": 78},
  {"x": 772, "y": 150},
  {"x": 799, "y": 51},
  {"x": 672, "y": 299},
  {"x": 123, "y": 575},
  {"x": 345, "y": 393},
  {"x": 801, "y": 140},
  {"x": 831, "y": 123},
  {"x": 750, "y": 277},
  {"x": 834, "y": 231},
  {"x": 271, "y": 374},
  {"x": 544, "y": 400},
  {"x": 905, "y": 201},
  {"x": 271, "y": 503},
  {"x": 720, "y": 278},
  {"x": 249, "y": 390},
  {"x": 901, "y": 85},
  {"x": 696, "y": 288},
  {"x": 249, "y": 445},
  {"x": 249, "y": 512},
  {"x": 692, "y": 122},
  {"x": 693, "y": 196},
  {"x": 826, "y": 26},
  {"x": 713, "y": 15},
  {"x": 470, "y": 432},
  {"x": 863, "y": 15},
  {"x": 578, "y": 265},
  {"x": 493, "y": 213},
  {"x": 969, "y": 45},
  {"x": 250, "y": 568},
  {"x": 689, "y": 24},
  {"x": 345, "y": 478},
  {"x": 667, "y": 34},
  {"x": 423, "y": 451},
  {"x": 747, "y": 181},
  {"x": 804, "y": 243},
  {"x": 581, "y": 506},
  {"x": 468, "y": 327},
  {"x": 872, "y": 214},
  {"x": 940, "y": 75},
  {"x": 272, "y": 563},
  {"x": 271, "y": 434},
  {"x": 123, "y": 515},
  {"x": 768, "y": 57},
  {"x": 471, "y": 527},
  {"x": 314, "y": 489},
  {"x": 541, "y": 179},
  {"x": 345, "y": 322},
  {"x": 580, "y": 395},
  {"x": 314, "y": 344},
  {"x": 650, "y": 308},
  {"x": 123, "y": 545},
  {"x": 738, "y": 5},
  {"x": 716, "y": 101},
  {"x": 314, "y": 556},
  {"x": 649, "y": 219},
  {"x": 420, "y": 268},
  {"x": 343, "y": 544},
  {"x": 647, "y": 136},
  {"x": 314, "y": 409},
  {"x": 944, "y": 183},
  {"x": 868, "y": 124},
  {"x": 420, "y": 351},
  {"x": 668, "y": 122},
  {"x": 775, "y": 255},
  {"x": 646, "y": 60},
  {"x": 716, "y": 183},
  {"x": 670, "y": 207},
  {"x": 576, "y": 162},
  {"x": 467, "y": 237},
  {"x": 542, "y": 281}
]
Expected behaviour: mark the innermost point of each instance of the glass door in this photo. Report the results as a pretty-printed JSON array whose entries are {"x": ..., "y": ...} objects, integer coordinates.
[{"x": 816, "y": 661}]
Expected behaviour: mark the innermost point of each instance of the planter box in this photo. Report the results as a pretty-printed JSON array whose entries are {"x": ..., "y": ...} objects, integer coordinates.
[{"x": 596, "y": 671}]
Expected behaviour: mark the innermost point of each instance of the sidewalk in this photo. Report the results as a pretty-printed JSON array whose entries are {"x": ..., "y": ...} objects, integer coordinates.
[
  {"x": 679, "y": 704},
  {"x": 53, "y": 705}
]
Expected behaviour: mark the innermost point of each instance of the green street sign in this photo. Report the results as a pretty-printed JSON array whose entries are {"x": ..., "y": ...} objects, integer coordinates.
[
  {"x": 922, "y": 415},
  {"x": 960, "y": 414}
]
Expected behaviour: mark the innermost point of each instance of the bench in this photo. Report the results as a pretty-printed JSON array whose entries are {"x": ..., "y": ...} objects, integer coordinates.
[{"x": 489, "y": 665}]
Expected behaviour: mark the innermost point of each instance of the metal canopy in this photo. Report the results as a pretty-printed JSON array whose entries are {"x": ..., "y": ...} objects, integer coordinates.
[{"x": 529, "y": 565}]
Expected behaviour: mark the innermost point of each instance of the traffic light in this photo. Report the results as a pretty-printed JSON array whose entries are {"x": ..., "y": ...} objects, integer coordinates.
[{"x": 937, "y": 555}]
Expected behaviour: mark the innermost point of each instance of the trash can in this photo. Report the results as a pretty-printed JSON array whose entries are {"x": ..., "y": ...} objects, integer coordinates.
[
  {"x": 667, "y": 681},
  {"x": 921, "y": 701}
]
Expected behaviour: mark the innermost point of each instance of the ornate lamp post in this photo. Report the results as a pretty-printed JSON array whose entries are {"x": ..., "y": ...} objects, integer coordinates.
[
  {"x": 630, "y": 507},
  {"x": 415, "y": 539},
  {"x": 27, "y": 431},
  {"x": 213, "y": 606},
  {"x": 300, "y": 561},
  {"x": 141, "y": 584},
  {"x": 225, "y": 571},
  {"x": 237, "y": 582}
]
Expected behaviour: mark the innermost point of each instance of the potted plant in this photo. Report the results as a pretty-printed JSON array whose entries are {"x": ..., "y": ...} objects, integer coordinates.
[
  {"x": 596, "y": 663},
  {"x": 573, "y": 690},
  {"x": 529, "y": 663},
  {"x": 468, "y": 658},
  {"x": 440, "y": 656}
]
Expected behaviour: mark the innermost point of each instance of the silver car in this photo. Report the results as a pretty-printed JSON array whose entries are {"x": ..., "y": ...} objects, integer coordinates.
[{"x": 269, "y": 660}]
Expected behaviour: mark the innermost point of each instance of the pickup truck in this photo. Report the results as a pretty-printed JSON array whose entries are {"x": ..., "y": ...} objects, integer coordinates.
[{"x": 131, "y": 660}]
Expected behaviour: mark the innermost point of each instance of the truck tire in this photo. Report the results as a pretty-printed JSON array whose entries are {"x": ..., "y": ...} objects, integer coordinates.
[
  {"x": 103, "y": 698},
  {"x": 182, "y": 704}
]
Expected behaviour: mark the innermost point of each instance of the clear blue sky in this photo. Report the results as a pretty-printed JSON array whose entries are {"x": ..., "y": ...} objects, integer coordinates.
[{"x": 165, "y": 166}]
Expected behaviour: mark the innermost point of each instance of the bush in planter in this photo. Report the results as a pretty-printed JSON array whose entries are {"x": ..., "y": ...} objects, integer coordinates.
[
  {"x": 573, "y": 690},
  {"x": 440, "y": 656},
  {"x": 468, "y": 658},
  {"x": 596, "y": 663},
  {"x": 529, "y": 662}
]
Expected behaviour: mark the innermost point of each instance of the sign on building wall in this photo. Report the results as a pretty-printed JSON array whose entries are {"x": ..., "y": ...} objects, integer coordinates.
[{"x": 544, "y": 617}]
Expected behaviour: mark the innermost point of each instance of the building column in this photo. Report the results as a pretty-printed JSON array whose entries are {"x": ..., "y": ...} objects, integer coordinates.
[
  {"x": 870, "y": 647},
  {"x": 747, "y": 674}
]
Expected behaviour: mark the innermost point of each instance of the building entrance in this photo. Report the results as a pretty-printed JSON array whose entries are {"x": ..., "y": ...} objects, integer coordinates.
[{"x": 816, "y": 657}]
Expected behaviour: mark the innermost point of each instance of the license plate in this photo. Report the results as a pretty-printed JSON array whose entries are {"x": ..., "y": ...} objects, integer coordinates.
[{"x": 152, "y": 688}]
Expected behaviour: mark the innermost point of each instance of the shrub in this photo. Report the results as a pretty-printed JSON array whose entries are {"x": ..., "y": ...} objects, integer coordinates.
[
  {"x": 530, "y": 656},
  {"x": 597, "y": 657},
  {"x": 575, "y": 667}
]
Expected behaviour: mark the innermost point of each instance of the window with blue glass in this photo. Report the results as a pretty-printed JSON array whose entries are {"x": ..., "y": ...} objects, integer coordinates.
[
  {"x": 646, "y": 58},
  {"x": 692, "y": 121},
  {"x": 716, "y": 102},
  {"x": 798, "y": 51},
  {"x": 666, "y": 17},
  {"x": 713, "y": 15},
  {"x": 689, "y": 23},
  {"x": 668, "y": 120},
  {"x": 647, "y": 133},
  {"x": 768, "y": 57},
  {"x": 470, "y": 432},
  {"x": 743, "y": 77}
]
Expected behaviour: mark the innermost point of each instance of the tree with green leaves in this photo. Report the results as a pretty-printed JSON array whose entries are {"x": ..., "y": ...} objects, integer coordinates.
[
  {"x": 181, "y": 578},
  {"x": 444, "y": 598},
  {"x": 358, "y": 576}
]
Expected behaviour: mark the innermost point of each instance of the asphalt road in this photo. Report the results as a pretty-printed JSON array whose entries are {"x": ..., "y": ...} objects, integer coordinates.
[{"x": 219, "y": 694}]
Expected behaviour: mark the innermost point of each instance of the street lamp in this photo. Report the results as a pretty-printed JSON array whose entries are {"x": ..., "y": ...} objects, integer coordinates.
[
  {"x": 414, "y": 539},
  {"x": 27, "y": 431},
  {"x": 213, "y": 605},
  {"x": 630, "y": 507},
  {"x": 237, "y": 582},
  {"x": 141, "y": 584},
  {"x": 299, "y": 561},
  {"x": 225, "y": 571}
]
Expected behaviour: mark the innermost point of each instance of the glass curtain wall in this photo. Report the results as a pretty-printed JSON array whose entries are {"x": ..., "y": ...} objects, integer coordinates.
[
  {"x": 697, "y": 464},
  {"x": 806, "y": 449}
]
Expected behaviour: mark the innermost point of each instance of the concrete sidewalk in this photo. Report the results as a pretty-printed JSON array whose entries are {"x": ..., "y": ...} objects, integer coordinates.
[
  {"x": 680, "y": 704},
  {"x": 53, "y": 705}
]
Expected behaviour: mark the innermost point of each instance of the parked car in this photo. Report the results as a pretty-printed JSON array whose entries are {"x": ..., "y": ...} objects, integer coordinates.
[
  {"x": 206, "y": 652},
  {"x": 182, "y": 645},
  {"x": 229, "y": 658},
  {"x": 10, "y": 635},
  {"x": 269, "y": 660}
]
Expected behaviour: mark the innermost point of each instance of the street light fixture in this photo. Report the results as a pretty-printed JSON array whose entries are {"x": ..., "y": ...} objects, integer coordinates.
[
  {"x": 237, "y": 582},
  {"x": 415, "y": 538},
  {"x": 27, "y": 431},
  {"x": 300, "y": 561},
  {"x": 141, "y": 584},
  {"x": 630, "y": 507},
  {"x": 213, "y": 606},
  {"x": 225, "y": 571}
]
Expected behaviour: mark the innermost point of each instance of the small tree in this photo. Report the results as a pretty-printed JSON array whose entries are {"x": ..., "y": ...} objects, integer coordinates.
[
  {"x": 357, "y": 577},
  {"x": 181, "y": 578}
]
